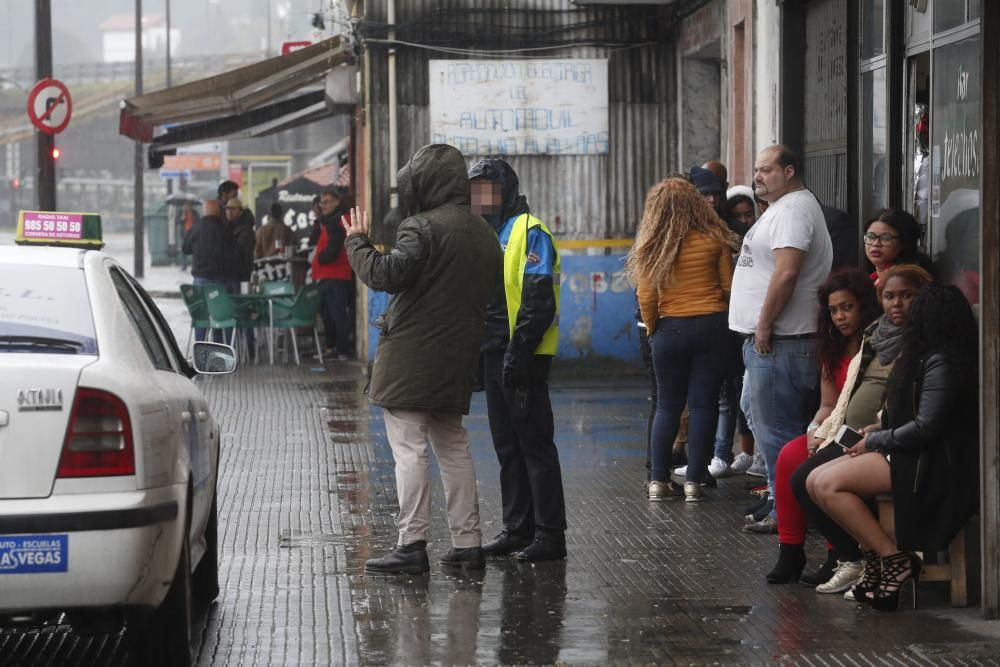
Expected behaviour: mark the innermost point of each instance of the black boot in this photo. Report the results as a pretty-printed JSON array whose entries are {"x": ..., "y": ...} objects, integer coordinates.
[
  {"x": 505, "y": 543},
  {"x": 823, "y": 574},
  {"x": 791, "y": 561},
  {"x": 470, "y": 558},
  {"x": 547, "y": 547},
  {"x": 404, "y": 559}
]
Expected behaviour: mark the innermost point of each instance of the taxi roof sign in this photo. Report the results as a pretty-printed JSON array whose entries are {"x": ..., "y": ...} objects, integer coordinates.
[{"x": 53, "y": 228}]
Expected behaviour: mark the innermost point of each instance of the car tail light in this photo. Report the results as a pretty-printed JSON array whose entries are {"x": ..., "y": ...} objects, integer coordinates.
[{"x": 99, "y": 438}]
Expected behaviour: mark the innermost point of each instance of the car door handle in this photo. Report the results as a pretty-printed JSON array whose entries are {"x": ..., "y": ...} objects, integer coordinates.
[
  {"x": 186, "y": 417},
  {"x": 202, "y": 415}
]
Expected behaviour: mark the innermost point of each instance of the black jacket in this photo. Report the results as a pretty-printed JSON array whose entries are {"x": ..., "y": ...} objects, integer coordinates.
[
  {"x": 210, "y": 241},
  {"x": 244, "y": 240},
  {"x": 441, "y": 273},
  {"x": 538, "y": 297},
  {"x": 844, "y": 236},
  {"x": 931, "y": 434}
]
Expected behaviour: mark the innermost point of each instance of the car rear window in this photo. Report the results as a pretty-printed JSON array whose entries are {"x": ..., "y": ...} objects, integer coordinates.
[{"x": 45, "y": 310}]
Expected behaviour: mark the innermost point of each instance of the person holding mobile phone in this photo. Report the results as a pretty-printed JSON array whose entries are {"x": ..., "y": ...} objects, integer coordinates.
[
  {"x": 848, "y": 304},
  {"x": 924, "y": 450},
  {"x": 858, "y": 406}
]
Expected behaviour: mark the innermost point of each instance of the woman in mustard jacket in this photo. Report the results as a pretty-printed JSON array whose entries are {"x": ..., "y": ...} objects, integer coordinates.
[{"x": 682, "y": 266}]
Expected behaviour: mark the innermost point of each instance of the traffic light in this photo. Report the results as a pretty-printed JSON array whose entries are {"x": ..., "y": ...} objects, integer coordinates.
[
  {"x": 55, "y": 153},
  {"x": 15, "y": 183}
]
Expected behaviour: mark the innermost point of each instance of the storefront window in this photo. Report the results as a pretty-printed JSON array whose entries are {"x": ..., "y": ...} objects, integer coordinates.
[
  {"x": 873, "y": 28},
  {"x": 948, "y": 14},
  {"x": 975, "y": 9},
  {"x": 919, "y": 139},
  {"x": 873, "y": 149},
  {"x": 956, "y": 155}
]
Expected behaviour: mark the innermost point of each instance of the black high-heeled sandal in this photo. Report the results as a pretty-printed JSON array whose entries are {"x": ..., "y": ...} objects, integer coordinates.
[
  {"x": 869, "y": 578},
  {"x": 891, "y": 580}
]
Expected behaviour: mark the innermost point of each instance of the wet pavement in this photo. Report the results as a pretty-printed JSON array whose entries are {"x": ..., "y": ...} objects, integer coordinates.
[{"x": 307, "y": 495}]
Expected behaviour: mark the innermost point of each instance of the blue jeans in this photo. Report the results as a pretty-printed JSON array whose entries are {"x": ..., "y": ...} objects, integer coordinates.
[
  {"x": 780, "y": 389},
  {"x": 691, "y": 356},
  {"x": 730, "y": 413}
]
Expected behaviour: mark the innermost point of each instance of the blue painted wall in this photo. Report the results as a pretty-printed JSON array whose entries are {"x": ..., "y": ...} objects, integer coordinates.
[{"x": 596, "y": 310}]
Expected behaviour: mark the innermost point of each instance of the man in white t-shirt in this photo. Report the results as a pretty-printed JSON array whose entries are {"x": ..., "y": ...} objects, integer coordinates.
[{"x": 785, "y": 257}]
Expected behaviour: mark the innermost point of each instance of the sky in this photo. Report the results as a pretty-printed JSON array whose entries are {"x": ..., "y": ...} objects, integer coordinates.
[{"x": 76, "y": 38}]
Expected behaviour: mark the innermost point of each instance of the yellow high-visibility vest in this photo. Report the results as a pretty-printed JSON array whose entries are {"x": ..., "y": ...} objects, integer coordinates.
[{"x": 515, "y": 258}]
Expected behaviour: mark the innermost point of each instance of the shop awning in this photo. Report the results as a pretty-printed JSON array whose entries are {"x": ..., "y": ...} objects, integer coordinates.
[
  {"x": 293, "y": 111},
  {"x": 232, "y": 93}
]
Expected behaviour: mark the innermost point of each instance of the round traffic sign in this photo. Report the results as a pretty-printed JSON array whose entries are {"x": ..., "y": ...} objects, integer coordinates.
[{"x": 50, "y": 106}]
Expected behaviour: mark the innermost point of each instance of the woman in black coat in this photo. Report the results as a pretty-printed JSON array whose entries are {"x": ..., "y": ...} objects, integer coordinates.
[{"x": 924, "y": 452}]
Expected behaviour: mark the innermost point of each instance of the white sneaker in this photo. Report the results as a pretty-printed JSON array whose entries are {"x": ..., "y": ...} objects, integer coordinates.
[
  {"x": 741, "y": 463},
  {"x": 681, "y": 472},
  {"x": 718, "y": 468},
  {"x": 759, "y": 468},
  {"x": 844, "y": 577}
]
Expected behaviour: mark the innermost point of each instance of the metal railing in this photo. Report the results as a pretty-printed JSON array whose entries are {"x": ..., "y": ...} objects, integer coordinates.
[{"x": 107, "y": 72}]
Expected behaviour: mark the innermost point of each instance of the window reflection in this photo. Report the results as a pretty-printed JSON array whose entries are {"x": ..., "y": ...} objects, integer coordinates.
[
  {"x": 955, "y": 162},
  {"x": 948, "y": 14},
  {"x": 874, "y": 137},
  {"x": 873, "y": 28}
]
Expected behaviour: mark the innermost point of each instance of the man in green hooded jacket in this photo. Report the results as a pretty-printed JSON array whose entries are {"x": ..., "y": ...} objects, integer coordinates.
[{"x": 443, "y": 270}]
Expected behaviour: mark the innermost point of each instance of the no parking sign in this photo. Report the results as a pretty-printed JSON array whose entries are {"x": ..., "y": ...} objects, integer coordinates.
[{"x": 50, "y": 106}]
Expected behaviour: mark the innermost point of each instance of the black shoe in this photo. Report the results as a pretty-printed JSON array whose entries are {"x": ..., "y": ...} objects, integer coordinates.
[
  {"x": 470, "y": 558},
  {"x": 406, "y": 559},
  {"x": 550, "y": 547},
  {"x": 709, "y": 482},
  {"x": 823, "y": 574},
  {"x": 757, "y": 506},
  {"x": 505, "y": 543},
  {"x": 791, "y": 562},
  {"x": 763, "y": 511}
]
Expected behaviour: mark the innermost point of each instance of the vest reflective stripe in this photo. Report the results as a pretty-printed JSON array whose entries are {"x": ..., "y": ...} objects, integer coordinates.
[{"x": 515, "y": 258}]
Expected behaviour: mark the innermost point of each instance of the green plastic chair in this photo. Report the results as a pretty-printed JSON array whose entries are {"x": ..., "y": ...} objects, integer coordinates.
[
  {"x": 194, "y": 300},
  {"x": 300, "y": 314},
  {"x": 221, "y": 309},
  {"x": 279, "y": 288}
]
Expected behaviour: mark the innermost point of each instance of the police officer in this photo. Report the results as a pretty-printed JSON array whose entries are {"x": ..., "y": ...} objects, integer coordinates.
[{"x": 522, "y": 328}]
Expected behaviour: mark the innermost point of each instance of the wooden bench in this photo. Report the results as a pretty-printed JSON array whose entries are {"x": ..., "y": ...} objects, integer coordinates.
[{"x": 953, "y": 571}]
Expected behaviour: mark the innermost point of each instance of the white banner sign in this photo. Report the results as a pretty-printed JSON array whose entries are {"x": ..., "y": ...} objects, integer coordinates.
[{"x": 520, "y": 107}]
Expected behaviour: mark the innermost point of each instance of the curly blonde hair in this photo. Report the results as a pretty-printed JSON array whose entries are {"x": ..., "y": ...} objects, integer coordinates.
[{"x": 673, "y": 208}]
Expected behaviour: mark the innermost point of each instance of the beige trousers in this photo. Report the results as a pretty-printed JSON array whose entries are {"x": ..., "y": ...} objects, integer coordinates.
[{"x": 409, "y": 433}]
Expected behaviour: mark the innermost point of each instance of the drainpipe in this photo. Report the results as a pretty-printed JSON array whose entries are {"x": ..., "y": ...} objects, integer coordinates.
[{"x": 393, "y": 125}]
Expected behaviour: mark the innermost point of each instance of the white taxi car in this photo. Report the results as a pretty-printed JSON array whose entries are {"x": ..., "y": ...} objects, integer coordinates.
[{"x": 108, "y": 454}]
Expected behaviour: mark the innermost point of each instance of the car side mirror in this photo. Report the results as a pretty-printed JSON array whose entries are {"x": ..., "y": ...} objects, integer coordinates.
[{"x": 214, "y": 358}]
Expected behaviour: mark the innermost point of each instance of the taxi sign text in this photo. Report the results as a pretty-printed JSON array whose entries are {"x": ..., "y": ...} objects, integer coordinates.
[
  {"x": 29, "y": 554},
  {"x": 40, "y": 225}
]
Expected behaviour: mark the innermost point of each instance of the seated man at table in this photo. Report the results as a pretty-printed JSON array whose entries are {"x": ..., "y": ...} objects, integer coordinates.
[{"x": 275, "y": 236}]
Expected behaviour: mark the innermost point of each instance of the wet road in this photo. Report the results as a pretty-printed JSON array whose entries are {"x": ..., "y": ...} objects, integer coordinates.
[{"x": 307, "y": 496}]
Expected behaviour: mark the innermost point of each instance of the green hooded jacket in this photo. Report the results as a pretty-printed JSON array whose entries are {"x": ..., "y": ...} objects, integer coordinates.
[{"x": 444, "y": 269}]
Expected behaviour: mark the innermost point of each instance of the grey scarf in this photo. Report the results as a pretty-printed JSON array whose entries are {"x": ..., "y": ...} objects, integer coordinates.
[{"x": 887, "y": 340}]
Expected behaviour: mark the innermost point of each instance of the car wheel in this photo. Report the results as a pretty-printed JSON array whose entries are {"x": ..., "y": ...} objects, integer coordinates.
[
  {"x": 206, "y": 575},
  {"x": 163, "y": 636}
]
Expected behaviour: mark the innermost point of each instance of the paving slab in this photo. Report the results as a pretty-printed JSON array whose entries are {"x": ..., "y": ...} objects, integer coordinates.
[{"x": 307, "y": 495}]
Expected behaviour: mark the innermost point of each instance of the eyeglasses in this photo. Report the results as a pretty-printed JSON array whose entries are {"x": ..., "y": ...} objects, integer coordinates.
[{"x": 884, "y": 239}]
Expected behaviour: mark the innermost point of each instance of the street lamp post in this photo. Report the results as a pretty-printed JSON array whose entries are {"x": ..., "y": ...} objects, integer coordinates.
[
  {"x": 139, "y": 229},
  {"x": 45, "y": 169}
]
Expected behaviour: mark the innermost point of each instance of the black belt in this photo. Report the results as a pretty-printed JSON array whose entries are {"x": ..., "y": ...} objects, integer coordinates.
[{"x": 805, "y": 336}]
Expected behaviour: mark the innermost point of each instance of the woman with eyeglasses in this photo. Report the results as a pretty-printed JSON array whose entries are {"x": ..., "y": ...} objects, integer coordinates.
[{"x": 891, "y": 237}]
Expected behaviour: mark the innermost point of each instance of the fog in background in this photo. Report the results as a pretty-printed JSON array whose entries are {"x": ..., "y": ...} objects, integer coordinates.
[{"x": 207, "y": 27}]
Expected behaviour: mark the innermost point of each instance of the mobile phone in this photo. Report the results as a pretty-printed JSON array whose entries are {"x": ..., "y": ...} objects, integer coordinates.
[{"x": 847, "y": 437}]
